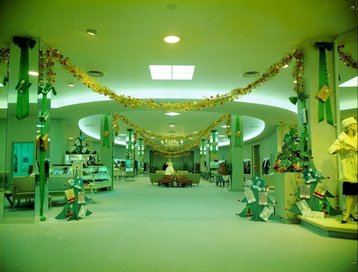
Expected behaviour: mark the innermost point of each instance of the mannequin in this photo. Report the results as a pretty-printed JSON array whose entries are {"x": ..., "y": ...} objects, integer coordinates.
[
  {"x": 346, "y": 147},
  {"x": 170, "y": 169}
]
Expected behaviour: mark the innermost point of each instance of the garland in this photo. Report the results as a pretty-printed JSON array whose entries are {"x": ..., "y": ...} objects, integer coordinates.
[
  {"x": 195, "y": 138},
  {"x": 5, "y": 58},
  {"x": 4, "y": 55},
  {"x": 346, "y": 58},
  {"x": 185, "y": 154},
  {"x": 118, "y": 117},
  {"x": 131, "y": 102}
]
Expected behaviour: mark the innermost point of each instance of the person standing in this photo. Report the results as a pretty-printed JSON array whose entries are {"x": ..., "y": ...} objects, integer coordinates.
[{"x": 346, "y": 147}]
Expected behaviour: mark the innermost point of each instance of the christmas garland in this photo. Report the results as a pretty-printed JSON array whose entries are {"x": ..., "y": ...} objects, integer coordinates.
[
  {"x": 172, "y": 156},
  {"x": 4, "y": 55},
  {"x": 201, "y": 134},
  {"x": 131, "y": 102},
  {"x": 346, "y": 58},
  {"x": 195, "y": 138}
]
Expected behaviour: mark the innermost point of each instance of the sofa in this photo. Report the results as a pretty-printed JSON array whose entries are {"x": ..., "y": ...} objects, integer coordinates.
[
  {"x": 194, "y": 178},
  {"x": 23, "y": 188},
  {"x": 156, "y": 178}
]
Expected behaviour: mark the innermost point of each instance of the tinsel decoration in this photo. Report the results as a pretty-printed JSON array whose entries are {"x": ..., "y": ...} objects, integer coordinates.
[{"x": 346, "y": 58}]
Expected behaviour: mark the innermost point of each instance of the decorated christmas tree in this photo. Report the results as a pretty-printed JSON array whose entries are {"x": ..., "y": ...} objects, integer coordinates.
[
  {"x": 257, "y": 201},
  {"x": 74, "y": 208},
  {"x": 294, "y": 156},
  {"x": 313, "y": 194},
  {"x": 80, "y": 145}
]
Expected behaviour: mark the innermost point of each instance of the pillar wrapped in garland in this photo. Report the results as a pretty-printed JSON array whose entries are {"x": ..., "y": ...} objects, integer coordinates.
[
  {"x": 214, "y": 145},
  {"x": 214, "y": 142},
  {"x": 324, "y": 93},
  {"x": 129, "y": 144},
  {"x": 140, "y": 149},
  {"x": 23, "y": 85},
  {"x": 203, "y": 147},
  {"x": 42, "y": 140}
]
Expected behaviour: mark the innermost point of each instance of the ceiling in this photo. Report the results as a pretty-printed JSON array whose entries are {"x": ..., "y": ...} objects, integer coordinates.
[{"x": 223, "y": 39}]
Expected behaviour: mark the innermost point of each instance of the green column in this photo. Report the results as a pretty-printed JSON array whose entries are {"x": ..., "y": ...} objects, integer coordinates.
[{"x": 237, "y": 154}]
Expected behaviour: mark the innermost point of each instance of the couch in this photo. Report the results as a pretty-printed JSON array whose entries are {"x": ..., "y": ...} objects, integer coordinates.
[{"x": 23, "y": 188}]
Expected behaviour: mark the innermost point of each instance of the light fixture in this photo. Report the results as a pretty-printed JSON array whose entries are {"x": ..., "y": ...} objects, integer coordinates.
[
  {"x": 172, "y": 72},
  {"x": 250, "y": 74},
  {"x": 172, "y": 113},
  {"x": 353, "y": 82},
  {"x": 94, "y": 73},
  {"x": 171, "y": 39},
  {"x": 71, "y": 84},
  {"x": 33, "y": 73},
  {"x": 92, "y": 32},
  {"x": 171, "y": 125}
]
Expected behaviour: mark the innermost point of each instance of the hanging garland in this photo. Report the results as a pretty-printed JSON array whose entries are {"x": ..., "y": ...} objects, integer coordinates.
[
  {"x": 170, "y": 150},
  {"x": 118, "y": 117},
  {"x": 171, "y": 156},
  {"x": 4, "y": 55},
  {"x": 346, "y": 58},
  {"x": 132, "y": 102},
  {"x": 5, "y": 58}
]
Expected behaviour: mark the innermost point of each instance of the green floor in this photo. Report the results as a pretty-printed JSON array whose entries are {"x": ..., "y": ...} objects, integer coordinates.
[{"x": 143, "y": 227}]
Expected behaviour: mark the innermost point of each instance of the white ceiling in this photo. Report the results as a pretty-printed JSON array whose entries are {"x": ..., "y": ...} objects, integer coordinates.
[{"x": 223, "y": 39}]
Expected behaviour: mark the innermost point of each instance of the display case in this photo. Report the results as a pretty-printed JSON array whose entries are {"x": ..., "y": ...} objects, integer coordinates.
[
  {"x": 98, "y": 176},
  {"x": 58, "y": 179}
]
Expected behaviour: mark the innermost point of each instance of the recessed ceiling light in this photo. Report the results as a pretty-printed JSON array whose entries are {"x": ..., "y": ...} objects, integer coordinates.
[
  {"x": 171, "y": 125},
  {"x": 250, "y": 74},
  {"x": 172, "y": 113},
  {"x": 33, "y": 73},
  {"x": 353, "y": 82},
  {"x": 172, "y": 72},
  {"x": 71, "y": 84},
  {"x": 92, "y": 32},
  {"x": 171, "y": 39},
  {"x": 95, "y": 73}
]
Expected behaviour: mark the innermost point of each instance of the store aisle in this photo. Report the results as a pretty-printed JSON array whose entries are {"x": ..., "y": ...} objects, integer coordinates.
[{"x": 143, "y": 227}]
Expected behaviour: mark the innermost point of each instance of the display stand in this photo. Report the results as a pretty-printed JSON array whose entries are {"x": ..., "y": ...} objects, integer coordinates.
[
  {"x": 286, "y": 186},
  {"x": 259, "y": 207},
  {"x": 74, "y": 208}
]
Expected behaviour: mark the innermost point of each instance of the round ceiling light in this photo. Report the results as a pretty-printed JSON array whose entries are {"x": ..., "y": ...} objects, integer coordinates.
[
  {"x": 250, "y": 74},
  {"x": 171, "y": 39},
  {"x": 95, "y": 73},
  {"x": 92, "y": 32}
]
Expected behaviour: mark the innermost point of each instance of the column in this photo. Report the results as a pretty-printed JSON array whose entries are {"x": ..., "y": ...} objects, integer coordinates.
[{"x": 237, "y": 153}]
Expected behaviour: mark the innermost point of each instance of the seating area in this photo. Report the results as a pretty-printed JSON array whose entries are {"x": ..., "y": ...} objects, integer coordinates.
[
  {"x": 182, "y": 179},
  {"x": 23, "y": 189},
  {"x": 221, "y": 181}
]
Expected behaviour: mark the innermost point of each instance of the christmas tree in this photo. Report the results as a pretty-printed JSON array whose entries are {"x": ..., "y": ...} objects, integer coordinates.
[
  {"x": 74, "y": 208},
  {"x": 313, "y": 193},
  {"x": 257, "y": 201}
]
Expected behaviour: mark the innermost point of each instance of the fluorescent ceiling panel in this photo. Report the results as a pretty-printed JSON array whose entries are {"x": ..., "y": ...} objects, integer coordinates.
[
  {"x": 171, "y": 72},
  {"x": 353, "y": 82},
  {"x": 161, "y": 72},
  {"x": 183, "y": 72}
]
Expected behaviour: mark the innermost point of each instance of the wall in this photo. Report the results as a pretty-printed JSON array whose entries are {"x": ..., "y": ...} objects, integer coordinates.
[
  {"x": 2, "y": 144},
  {"x": 58, "y": 136}
]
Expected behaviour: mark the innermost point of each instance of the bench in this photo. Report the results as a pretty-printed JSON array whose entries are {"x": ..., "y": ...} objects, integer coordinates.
[{"x": 23, "y": 188}]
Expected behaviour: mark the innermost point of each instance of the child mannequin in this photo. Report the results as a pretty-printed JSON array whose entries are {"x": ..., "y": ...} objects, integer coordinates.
[{"x": 346, "y": 147}]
